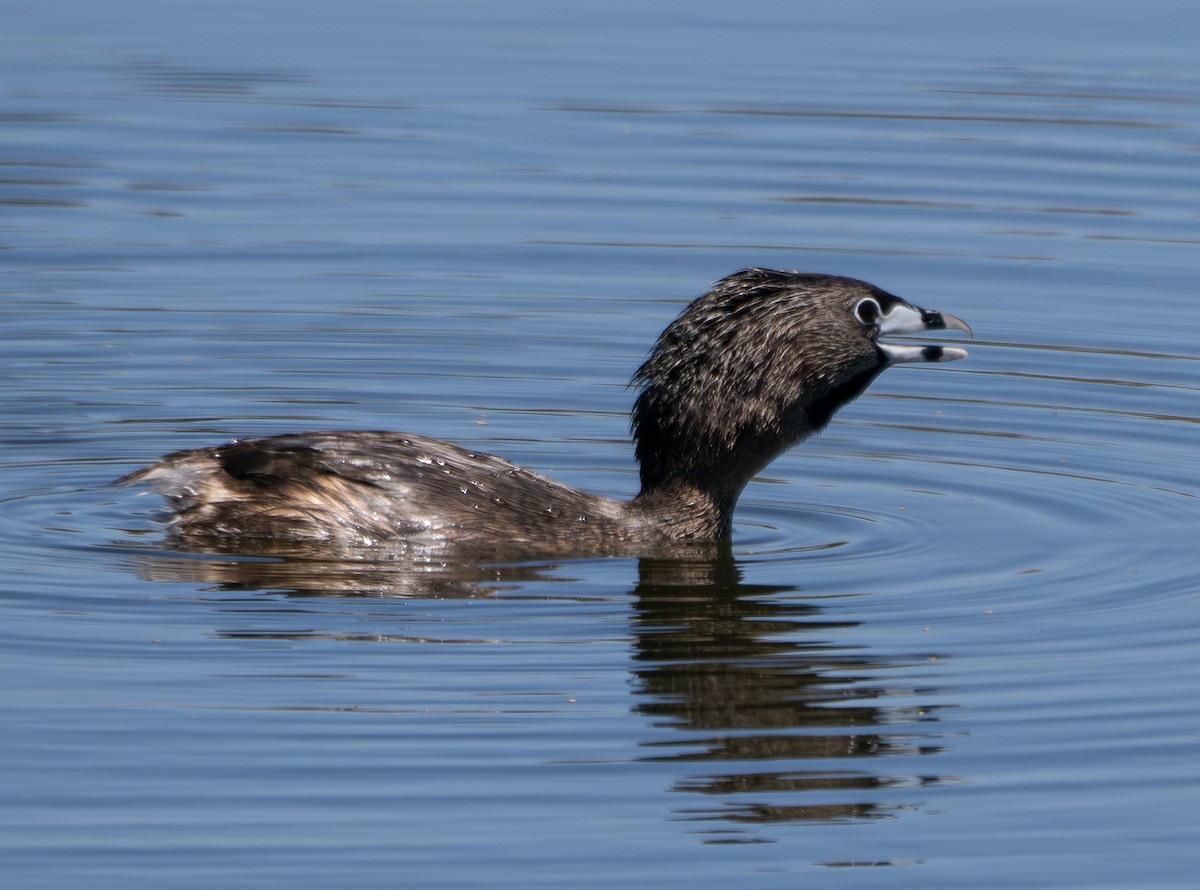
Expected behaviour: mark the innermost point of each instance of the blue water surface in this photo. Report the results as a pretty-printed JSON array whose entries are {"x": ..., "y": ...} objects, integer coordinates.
[{"x": 955, "y": 643}]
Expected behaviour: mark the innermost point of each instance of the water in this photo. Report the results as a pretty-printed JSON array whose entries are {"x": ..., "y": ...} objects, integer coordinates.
[{"x": 956, "y": 640}]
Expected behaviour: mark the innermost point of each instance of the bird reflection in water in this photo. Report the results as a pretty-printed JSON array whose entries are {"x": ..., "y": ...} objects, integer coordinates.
[
  {"x": 749, "y": 674},
  {"x": 750, "y": 686}
]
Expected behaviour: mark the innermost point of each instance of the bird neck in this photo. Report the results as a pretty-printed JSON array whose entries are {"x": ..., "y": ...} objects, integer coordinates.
[
  {"x": 682, "y": 511},
  {"x": 691, "y": 490}
]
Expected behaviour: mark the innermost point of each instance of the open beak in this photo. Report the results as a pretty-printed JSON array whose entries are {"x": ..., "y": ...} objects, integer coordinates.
[{"x": 903, "y": 318}]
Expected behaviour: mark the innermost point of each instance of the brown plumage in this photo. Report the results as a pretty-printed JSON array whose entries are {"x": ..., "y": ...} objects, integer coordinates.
[{"x": 747, "y": 370}]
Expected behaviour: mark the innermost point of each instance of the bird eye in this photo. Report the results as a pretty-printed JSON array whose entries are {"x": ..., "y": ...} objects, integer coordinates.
[{"x": 868, "y": 311}]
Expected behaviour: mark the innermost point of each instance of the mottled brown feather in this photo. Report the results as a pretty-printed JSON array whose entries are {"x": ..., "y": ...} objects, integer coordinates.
[{"x": 755, "y": 365}]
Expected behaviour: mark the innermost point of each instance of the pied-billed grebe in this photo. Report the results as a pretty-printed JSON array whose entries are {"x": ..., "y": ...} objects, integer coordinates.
[{"x": 760, "y": 362}]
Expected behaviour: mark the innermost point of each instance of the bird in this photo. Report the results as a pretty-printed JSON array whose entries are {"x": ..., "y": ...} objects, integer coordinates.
[{"x": 758, "y": 363}]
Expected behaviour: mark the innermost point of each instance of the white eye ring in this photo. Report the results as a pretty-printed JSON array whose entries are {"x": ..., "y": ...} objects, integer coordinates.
[{"x": 868, "y": 312}]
